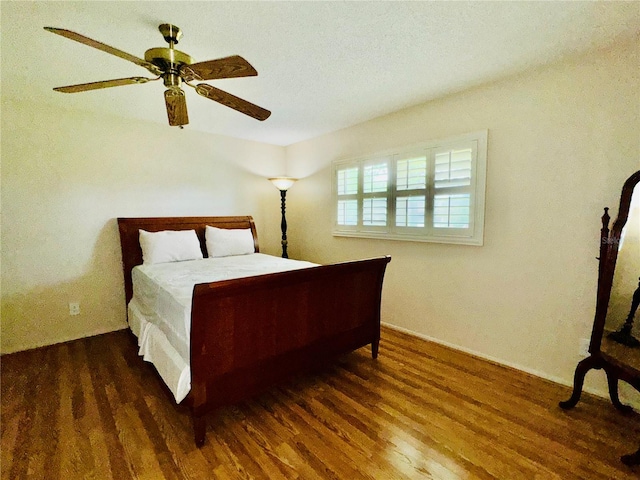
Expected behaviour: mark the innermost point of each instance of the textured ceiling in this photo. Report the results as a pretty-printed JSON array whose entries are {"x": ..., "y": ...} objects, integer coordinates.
[{"x": 322, "y": 66}]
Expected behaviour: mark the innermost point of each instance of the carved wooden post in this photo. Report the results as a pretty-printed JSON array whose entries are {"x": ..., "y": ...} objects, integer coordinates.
[
  {"x": 602, "y": 292},
  {"x": 283, "y": 224},
  {"x": 604, "y": 239}
]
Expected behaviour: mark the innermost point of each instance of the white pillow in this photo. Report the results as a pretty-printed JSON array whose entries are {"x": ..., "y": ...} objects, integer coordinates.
[
  {"x": 222, "y": 242},
  {"x": 169, "y": 246}
]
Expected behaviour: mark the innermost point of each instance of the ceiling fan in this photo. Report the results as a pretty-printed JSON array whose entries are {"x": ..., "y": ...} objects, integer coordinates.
[{"x": 174, "y": 68}]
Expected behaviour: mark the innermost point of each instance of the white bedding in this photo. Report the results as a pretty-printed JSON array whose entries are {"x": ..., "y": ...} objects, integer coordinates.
[{"x": 159, "y": 313}]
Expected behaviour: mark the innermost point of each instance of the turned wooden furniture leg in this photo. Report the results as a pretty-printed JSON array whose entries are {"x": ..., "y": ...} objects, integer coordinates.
[
  {"x": 612, "y": 380},
  {"x": 375, "y": 345},
  {"x": 578, "y": 380},
  {"x": 199, "y": 429},
  {"x": 631, "y": 459}
]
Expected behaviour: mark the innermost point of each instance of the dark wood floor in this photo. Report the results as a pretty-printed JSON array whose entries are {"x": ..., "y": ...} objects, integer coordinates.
[{"x": 93, "y": 409}]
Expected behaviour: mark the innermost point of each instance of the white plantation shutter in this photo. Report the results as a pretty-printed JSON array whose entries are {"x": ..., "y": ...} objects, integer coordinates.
[
  {"x": 412, "y": 172},
  {"x": 453, "y": 168},
  {"x": 451, "y": 211},
  {"x": 374, "y": 197},
  {"x": 374, "y": 211},
  {"x": 347, "y": 212},
  {"x": 347, "y": 189},
  {"x": 410, "y": 211},
  {"x": 452, "y": 184},
  {"x": 348, "y": 181},
  {"x": 430, "y": 192},
  {"x": 411, "y": 189},
  {"x": 376, "y": 178}
]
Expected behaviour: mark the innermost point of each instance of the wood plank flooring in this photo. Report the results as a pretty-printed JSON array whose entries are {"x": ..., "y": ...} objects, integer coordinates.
[{"x": 93, "y": 409}]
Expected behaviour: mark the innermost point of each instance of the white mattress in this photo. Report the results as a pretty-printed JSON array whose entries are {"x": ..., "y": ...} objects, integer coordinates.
[{"x": 159, "y": 313}]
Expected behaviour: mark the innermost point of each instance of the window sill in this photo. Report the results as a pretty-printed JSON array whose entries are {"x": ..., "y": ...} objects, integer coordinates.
[{"x": 448, "y": 239}]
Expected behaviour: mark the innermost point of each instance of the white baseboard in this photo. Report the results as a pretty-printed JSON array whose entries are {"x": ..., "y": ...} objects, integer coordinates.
[
  {"x": 537, "y": 373},
  {"x": 62, "y": 339}
]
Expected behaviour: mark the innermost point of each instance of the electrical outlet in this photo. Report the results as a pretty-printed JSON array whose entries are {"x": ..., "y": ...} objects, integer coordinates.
[
  {"x": 583, "y": 348},
  {"x": 74, "y": 308}
]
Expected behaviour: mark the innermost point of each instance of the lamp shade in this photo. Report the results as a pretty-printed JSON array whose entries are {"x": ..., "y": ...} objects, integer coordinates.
[{"x": 283, "y": 183}]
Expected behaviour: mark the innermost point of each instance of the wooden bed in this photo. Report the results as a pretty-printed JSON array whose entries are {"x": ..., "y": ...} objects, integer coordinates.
[{"x": 249, "y": 333}]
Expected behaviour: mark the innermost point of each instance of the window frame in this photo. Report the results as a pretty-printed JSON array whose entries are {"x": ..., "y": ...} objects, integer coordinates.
[{"x": 473, "y": 235}]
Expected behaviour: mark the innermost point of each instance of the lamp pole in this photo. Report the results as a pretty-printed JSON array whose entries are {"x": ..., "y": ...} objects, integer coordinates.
[
  {"x": 283, "y": 223},
  {"x": 283, "y": 184}
]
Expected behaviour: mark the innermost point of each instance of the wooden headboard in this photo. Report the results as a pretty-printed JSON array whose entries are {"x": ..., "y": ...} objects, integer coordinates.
[{"x": 130, "y": 243}]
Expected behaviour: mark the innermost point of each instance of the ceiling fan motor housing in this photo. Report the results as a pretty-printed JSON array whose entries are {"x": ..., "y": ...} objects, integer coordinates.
[{"x": 170, "y": 61}]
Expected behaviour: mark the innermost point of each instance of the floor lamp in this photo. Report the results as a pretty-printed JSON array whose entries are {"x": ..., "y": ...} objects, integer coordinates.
[{"x": 283, "y": 184}]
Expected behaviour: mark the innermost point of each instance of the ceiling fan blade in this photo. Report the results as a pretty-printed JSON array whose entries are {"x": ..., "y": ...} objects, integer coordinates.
[
  {"x": 83, "y": 87},
  {"x": 232, "y": 101},
  {"x": 105, "y": 48},
  {"x": 228, "y": 67},
  {"x": 176, "y": 107}
]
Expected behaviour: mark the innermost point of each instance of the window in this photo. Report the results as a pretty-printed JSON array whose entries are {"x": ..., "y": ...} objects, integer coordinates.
[{"x": 432, "y": 192}]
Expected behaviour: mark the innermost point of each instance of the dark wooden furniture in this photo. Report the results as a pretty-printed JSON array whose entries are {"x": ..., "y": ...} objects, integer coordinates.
[
  {"x": 609, "y": 349},
  {"x": 249, "y": 333}
]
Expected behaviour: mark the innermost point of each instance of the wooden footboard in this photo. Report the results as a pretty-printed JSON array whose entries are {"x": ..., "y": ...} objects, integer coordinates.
[{"x": 248, "y": 334}]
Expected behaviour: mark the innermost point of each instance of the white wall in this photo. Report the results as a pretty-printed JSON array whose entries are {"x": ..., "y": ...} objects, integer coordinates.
[
  {"x": 67, "y": 176},
  {"x": 562, "y": 140}
]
